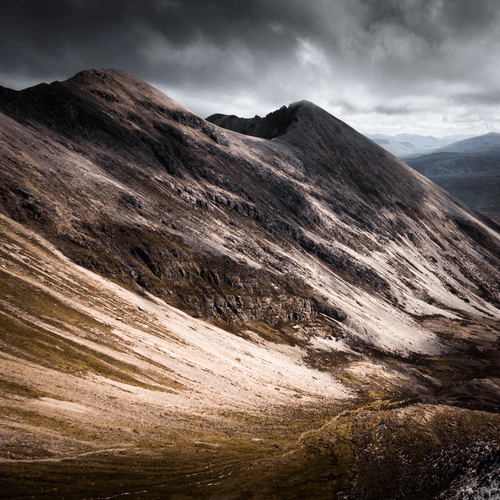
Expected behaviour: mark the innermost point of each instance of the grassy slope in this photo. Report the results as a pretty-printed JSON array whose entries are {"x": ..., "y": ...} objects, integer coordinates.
[{"x": 88, "y": 414}]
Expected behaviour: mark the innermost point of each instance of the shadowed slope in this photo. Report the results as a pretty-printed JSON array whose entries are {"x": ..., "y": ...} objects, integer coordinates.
[
  {"x": 238, "y": 228},
  {"x": 337, "y": 151},
  {"x": 274, "y": 125},
  {"x": 341, "y": 335}
]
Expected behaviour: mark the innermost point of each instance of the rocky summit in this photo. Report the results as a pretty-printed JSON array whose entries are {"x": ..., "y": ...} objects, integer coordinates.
[{"x": 235, "y": 308}]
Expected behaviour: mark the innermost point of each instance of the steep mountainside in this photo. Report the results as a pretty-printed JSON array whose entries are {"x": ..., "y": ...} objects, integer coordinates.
[{"x": 279, "y": 294}]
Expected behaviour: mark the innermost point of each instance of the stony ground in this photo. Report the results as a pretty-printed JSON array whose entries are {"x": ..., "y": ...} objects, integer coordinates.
[
  {"x": 106, "y": 392},
  {"x": 186, "y": 311}
]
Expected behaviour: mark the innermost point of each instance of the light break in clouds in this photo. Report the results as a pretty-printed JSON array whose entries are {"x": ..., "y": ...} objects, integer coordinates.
[{"x": 389, "y": 66}]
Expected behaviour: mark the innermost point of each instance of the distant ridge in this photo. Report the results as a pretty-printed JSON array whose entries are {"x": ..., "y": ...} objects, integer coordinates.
[
  {"x": 479, "y": 144},
  {"x": 476, "y": 154},
  {"x": 468, "y": 169},
  {"x": 403, "y": 145}
]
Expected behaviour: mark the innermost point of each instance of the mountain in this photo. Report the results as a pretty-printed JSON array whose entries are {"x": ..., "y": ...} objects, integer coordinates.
[
  {"x": 270, "y": 307},
  {"x": 478, "y": 154},
  {"x": 469, "y": 170},
  {"x": 413, "y": 144},
  {"x": 481, "y": 144}
]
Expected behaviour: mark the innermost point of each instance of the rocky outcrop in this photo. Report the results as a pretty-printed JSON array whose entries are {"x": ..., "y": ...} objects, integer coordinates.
[
  {"x": 344, "y": 274},
  {"x": 130, "y": 184},
  {"x": 237, "y": 308},
  {"x": 273, "y": 125}
]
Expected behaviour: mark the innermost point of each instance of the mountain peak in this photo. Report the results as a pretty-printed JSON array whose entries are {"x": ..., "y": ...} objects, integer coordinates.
[
  {"x": 93, "y": 74},
  {"x": 344, "y": 292},
  {"x": 304, "y": 104},
  {"x": 115, "y": 85},
  {"x": 273, "y": 125},
  {"x": 108, "y": 77}
]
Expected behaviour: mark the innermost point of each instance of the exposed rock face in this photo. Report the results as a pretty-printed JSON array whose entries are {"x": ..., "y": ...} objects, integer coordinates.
[
  {"x": 274, "y": 125},
  {"x": 250, "y": 309},
  {"x": 352, "y": 347},
  {"x": 129, "y": 184}
]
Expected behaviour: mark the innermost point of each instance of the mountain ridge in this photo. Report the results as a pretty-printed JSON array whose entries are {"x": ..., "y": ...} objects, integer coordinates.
[
  {"x": 481, "y": 143},
  {"x": 260, "y": 315},
  {"x": 164, "y": 145}
]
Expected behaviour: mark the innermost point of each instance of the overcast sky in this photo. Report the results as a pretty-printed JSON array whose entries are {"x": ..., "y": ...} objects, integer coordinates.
[{"x": 390, "y": 66}]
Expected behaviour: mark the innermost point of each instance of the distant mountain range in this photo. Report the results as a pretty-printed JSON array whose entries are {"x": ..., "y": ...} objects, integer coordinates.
[
  {"x": 468, "y": 169},
  {"x": 411, "y": 144},
  {"x": 466, "y": 166},
  {"x": 486, "y": 143}
]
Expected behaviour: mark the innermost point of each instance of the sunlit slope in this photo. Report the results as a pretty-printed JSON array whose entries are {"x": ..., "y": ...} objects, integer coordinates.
[
  {"x": 317, "y": 225},
  {"x": 87, "y": 358},
  {"x": 187, "y": 310}
]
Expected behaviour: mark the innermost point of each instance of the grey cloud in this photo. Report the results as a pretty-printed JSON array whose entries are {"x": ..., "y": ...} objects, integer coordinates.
[
  {"x": 392, "y": 33},
  {"x": 491, "y": 98},
  {"x": 103, "y": 32},
  {"x": 433, "y": 20},
  {"x": 393, "y": 110},
  {"x": 361, "y": 54}
]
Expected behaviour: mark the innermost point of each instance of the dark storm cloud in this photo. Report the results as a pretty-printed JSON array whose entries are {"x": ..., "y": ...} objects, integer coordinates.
[
  {"x": 431, "y": 19},
  {"x": 483, "y": 98},
  {"x": 374, "y": 57},
  {"x": 38, "y": 35}
]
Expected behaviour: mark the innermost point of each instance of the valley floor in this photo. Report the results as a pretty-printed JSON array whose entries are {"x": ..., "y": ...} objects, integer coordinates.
[
  {"x": 107, "y": 394},
  {"x": 379, "y": 450}
]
